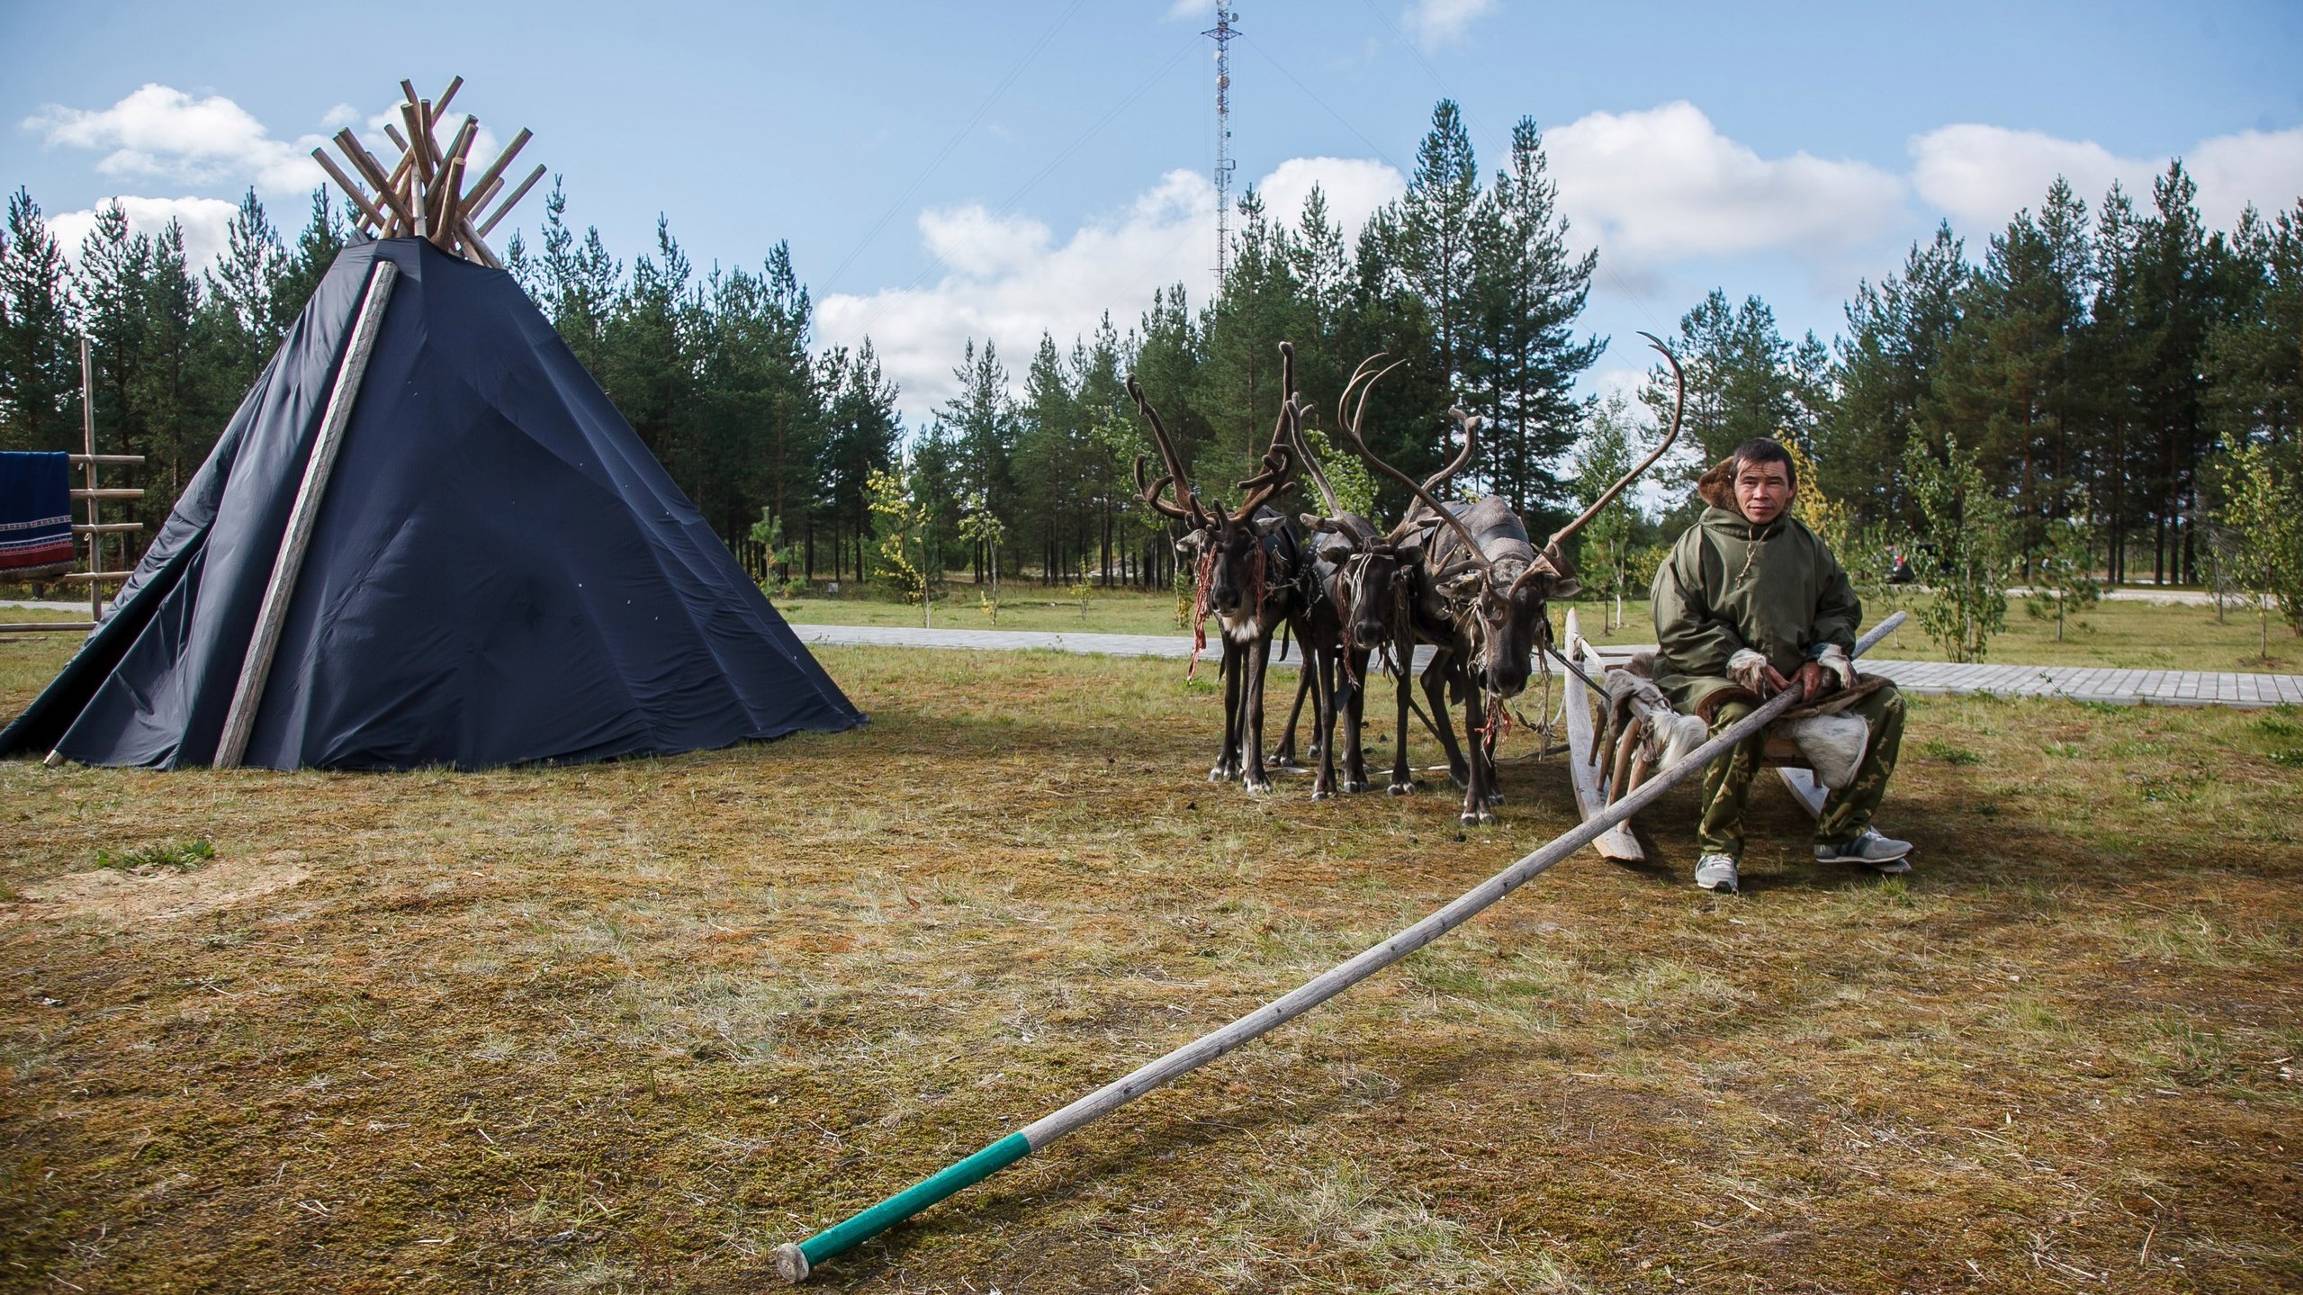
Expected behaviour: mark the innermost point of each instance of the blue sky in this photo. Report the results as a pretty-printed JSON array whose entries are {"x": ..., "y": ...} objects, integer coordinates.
[{"x": 947, "y": 171}]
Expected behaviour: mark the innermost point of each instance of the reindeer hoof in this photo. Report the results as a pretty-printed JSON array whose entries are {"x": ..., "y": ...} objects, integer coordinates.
[
  {"x": 1402, "y": 789},
  {"x": 1321, "y": 793},
  {"x": 1476, "y": 818},
  {"x": 1284, "y": 759},
  {"x": 1256, "y": 784},
  {"x": 1495, "y": 798},
  {"x": 1353, "y": 786}
]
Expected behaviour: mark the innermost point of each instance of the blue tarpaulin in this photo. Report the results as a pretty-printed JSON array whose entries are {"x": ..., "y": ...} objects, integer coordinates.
[{"x": 500, "y": 571}]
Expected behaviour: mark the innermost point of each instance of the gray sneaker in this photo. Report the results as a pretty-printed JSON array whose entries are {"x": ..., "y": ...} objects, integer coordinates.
[
  {"x": 1716, "y": 872},
  {"x": 1869, "y": 848}
]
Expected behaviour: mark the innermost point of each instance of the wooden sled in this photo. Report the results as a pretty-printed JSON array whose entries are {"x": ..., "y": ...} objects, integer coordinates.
[{"x": 1596, "y": 787}]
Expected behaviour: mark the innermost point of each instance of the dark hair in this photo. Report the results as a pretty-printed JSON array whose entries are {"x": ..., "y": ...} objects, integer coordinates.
[{"x": 1761, "y": 449}]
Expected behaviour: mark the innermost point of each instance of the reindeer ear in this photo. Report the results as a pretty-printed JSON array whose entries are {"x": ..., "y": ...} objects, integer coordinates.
[
  {"x": 1335, "y": 548},
  {"x": 1563, "y": 587},
  {"x": 1312, "y": 521},
  {"x": 1266, "y": 525},
  {"x": 1189, "y": 545},
  {"x": 1409, "y": 552}
]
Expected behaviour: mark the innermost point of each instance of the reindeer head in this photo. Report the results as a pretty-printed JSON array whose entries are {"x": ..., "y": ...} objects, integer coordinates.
[
  {"x": 1234, "y": 550},
  {"x": 1381, "y": 571},
  {"x": 1484, "y": 573}
]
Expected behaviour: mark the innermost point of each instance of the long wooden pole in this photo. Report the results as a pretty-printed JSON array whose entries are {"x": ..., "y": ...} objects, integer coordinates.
[
  {"x": 256, "y": 667},
  {"x": 794, "y": 1261}
]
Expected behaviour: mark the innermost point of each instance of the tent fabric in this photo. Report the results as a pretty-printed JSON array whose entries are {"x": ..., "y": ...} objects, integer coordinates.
[
  {"x": 499, "y": 573},
  {"x": 35, "y": 513}
]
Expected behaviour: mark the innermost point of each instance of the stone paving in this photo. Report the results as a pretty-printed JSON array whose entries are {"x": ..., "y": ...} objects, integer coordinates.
[{"x": 1921, "y": 678}]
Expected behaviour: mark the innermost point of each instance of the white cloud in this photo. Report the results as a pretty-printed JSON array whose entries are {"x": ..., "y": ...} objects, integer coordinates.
[
  {"x": 1436, "y": 23},
  {"x": 204, "y": 221},
  {"x": 162, "y": 132},
  {"x": 1982, "y": 175},
  {"x": 1664, "y": 184},
  {"x": 1009, "y": 278},
  {"x": 1190, "y": 10}
]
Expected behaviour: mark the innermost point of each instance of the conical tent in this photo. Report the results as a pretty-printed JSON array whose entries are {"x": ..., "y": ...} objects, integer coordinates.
[{"x": 498, "y": 572}]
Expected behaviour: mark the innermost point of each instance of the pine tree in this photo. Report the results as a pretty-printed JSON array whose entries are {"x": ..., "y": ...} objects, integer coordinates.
[
  {"x": 2254, "y": 388},
  {"x": 1433, "y": 249},
  {"x": 1739, "y": 381},
  {"x": 2004, "y": 379},
  {"x": 115, "y": 289},
  {"x": 169, "y": 385},
  {"x": 39, "y": 357},
  {"x": 1886, "y": 363},
  {"x": 1530, "y": 291},
  {"x": 300, "y": 271},
  {"x": 981, "y": 423},
  {"x": 241, "y": 290}
]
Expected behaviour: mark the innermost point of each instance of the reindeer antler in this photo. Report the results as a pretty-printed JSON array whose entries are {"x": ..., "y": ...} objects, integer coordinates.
[
  {"x": 1470, "y": 431},
  {"x": 1279, "y": 458},
  {"x": 1678, "y": 407},
  {"x": 1175, "y": 473}
]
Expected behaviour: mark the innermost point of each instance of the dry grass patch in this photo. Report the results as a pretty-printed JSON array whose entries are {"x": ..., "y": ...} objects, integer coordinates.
[{"x": 624, "y": 1027}]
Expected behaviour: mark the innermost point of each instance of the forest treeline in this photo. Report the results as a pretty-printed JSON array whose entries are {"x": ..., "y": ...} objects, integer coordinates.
[{"x": 2099, "y": 363}]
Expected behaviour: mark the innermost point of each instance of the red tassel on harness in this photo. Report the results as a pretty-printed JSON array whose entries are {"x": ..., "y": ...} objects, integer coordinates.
[{"x": 1202, "y": 573}]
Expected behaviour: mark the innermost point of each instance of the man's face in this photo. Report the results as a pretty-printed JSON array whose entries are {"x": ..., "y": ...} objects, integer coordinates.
[{"x": 1762, "y": 491}]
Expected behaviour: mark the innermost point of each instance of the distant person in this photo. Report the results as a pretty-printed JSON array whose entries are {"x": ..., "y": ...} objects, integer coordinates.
[{"x": 1750, "y": 603}]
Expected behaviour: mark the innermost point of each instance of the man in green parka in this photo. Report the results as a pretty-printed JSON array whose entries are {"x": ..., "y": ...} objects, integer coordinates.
[{"x": 1750, "y": 603}]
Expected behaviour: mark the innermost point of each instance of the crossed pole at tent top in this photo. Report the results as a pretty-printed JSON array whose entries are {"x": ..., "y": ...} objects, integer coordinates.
[
  {"x": 795, "y": 1260},
  {"x": 430, "y": 193}
]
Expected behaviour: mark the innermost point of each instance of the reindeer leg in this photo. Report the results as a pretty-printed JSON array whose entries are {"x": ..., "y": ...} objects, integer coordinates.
[
  {"x": 1258, "y": 658},
  {"x": 1355, "y": 715},
  {"x": 1322, "y": 664},
  {"x": 1475, "y": 810},
  {"x": 1402, "y": 779},
  {"x": 1227, "y": 760},
  {"x": 1436, "y": 678},
  {"x": 1284, "y": 754}
]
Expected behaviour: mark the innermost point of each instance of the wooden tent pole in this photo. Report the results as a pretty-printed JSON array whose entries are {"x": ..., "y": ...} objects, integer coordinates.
[
  {"x": 240, "y": 720},
  {"x": 795, "y": 1261}
]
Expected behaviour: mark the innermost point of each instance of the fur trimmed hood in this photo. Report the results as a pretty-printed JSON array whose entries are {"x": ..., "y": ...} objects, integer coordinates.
[{"x": 1717, "y": 486}]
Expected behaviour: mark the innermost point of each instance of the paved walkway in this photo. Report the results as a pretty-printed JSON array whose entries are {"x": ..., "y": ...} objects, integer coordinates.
[{"x": 1921, "y": 678}]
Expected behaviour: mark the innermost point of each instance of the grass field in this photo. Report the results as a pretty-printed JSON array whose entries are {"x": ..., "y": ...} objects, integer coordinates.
[
  {"x": 2125, "y": 635},
  {"x": 625, "y": 1027}
]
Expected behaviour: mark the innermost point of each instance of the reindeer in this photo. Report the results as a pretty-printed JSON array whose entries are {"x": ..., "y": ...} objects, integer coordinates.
[
  {"x": 1251, "y": 572},
  {"x": 1335, "y": 668},
  {"x": 1486, "y": 580},
  {"x": 1386, "y": 607}
]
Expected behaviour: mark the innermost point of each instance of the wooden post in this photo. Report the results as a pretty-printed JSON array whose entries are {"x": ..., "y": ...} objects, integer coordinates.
[
  {"x": 88, "y": 447},
  {"x": 795, "y": 1261},
  {"x": 240, "y": 720}
]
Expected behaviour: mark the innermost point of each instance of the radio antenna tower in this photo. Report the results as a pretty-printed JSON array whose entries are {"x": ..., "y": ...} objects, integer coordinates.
[{"x": 1222, "y": 33}]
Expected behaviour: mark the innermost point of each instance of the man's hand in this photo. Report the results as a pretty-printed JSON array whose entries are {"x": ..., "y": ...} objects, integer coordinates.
[
  {"x": 1751, "y": 671},
  {"x": 1814, "y": 680}
]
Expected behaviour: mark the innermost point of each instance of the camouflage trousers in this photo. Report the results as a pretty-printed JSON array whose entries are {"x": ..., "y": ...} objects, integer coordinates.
[{"x": 1727, "y": 781}]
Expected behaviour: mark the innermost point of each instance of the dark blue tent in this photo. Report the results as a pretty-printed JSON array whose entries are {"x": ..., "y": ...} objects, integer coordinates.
[{"x": 499, "y": 571}]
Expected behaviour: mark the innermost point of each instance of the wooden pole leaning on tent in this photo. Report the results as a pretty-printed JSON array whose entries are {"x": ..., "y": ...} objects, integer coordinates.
[
  {"x": 431, "y": 192},
  {"x": 794, "y": 1261},
  {"x": 256, "y": 667}
]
